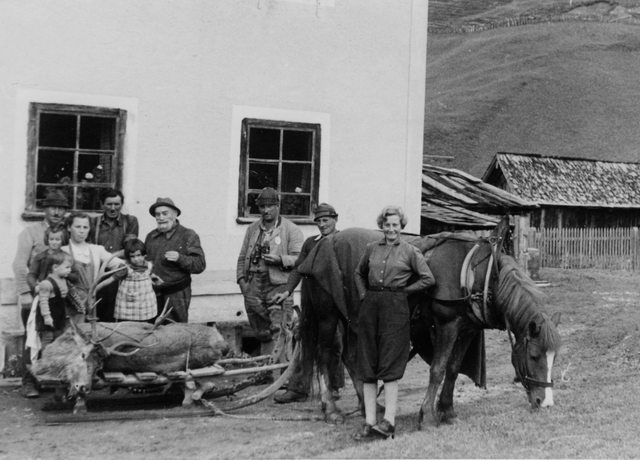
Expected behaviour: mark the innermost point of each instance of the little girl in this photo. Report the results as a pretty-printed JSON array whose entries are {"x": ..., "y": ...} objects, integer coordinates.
[
  {"x": 55, "y": 236},
  {"x": 53, "y": 290},
  {"x": 136, "y": 299}
]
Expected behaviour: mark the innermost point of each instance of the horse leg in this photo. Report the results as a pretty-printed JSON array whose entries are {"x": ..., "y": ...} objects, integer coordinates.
[
  {"x": 445, "y": 404},
  {"x": 327, "y": 328},
  {"x": 445, "y": 338},
  {"x": 349, "y": 358}
]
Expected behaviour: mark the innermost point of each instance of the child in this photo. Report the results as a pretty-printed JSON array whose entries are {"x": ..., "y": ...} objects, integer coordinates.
[
  {"x": 136, "y": 299},
  {"x": 55, "y": 236},
  {"x": 53, "y": 290}
]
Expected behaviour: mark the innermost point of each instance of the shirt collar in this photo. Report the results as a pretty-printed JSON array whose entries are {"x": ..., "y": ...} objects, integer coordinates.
[
  {"x": 168, "y": 234},
  {"x": 319, "y": 237},
  {"x": 118, "y": 220},
  {"x": 383, "y": 242},
  {"x": 264, "y": 229}
]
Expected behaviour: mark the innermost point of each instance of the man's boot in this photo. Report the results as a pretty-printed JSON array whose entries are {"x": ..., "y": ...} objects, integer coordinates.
[
  {"x": 29, "y": 389},
  {"x": 290, "y": 396}
]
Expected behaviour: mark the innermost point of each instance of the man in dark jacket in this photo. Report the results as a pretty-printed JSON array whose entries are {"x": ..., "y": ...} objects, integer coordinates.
[
  {"x": 326, "y": 218},
  {"x": 110, "y": 230},
  {"x": 176, "y": 254}
]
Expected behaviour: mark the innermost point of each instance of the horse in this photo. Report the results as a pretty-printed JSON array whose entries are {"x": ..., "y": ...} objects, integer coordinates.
[{"x": 477, "y": 288}]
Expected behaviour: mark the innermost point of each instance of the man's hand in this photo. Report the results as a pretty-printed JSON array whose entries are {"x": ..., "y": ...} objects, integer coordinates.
[
  {"x": 172, "y": 256},
  {"x": 155, "y": 279},
  {"x": 48, "y": 320},
  {"x": 243, "y": 285},
  {"x": 280, "y": 297},
  {"x": 26, "y": 300},
  {"x": 271, "y": 259}
]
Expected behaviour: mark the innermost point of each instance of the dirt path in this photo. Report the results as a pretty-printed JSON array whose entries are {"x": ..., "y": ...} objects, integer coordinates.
[{"x": 598, "y": 314}]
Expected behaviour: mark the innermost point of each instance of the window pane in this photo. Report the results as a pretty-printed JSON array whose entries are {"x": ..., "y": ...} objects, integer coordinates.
[
  {"x": 251, "y": 203},
  {"x": 296, "y": 177},
  {"x": 57, "y": 130},
  {"x": 263, "y": 175},
  {"x": 297, "y": 145},
  {"x": 88, "y": 198},
  {"x": 43, "y": 190},
  {"x": 97, "y": 133},
  {"x": 295, "y": 205},
  {"x": 95, "y": 168},
  {"x": 54, "y": 167},
  {"x": 264, "y": 143}
]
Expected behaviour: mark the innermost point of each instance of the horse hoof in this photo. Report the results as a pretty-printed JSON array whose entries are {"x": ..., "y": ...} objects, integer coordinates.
[{"x": 334, "y": 418}]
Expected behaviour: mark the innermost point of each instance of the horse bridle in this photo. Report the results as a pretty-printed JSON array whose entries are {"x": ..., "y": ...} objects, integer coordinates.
[{"x": 521, "y": 352}]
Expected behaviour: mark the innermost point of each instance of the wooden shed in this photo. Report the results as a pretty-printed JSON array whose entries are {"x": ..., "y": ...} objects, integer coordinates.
[
  {"x": 453, "y": 200},
  {"x": 570, "y": 192}
]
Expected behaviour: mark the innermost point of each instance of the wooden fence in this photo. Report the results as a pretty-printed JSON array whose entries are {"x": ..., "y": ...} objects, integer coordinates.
[{"x": 611, "y": 248}]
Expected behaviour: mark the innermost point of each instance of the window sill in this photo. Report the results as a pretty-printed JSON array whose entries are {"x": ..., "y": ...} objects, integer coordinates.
[
  {"x": 295, "y": 220},
  {"x": 37, "y": 216},
  {"x": 32, "y": 216}
]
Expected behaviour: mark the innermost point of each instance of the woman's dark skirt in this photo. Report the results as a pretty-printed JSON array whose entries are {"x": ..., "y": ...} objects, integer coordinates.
[{"x": 383, "y": 336}]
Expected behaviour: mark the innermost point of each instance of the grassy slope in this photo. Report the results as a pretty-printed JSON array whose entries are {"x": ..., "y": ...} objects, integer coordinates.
[{"x": 567, "y": 89}]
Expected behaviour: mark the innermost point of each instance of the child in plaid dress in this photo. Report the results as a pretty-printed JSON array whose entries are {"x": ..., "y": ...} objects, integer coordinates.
[{"x": 136, "y": 299}]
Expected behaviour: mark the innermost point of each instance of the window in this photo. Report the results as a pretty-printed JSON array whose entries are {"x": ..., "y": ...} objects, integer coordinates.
[
  {"x": 76, "y": 149},
  {"x": 282, "y": 155}
]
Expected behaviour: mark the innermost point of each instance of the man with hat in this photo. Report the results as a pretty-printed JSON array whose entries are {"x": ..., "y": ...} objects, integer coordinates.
[
  {"x": 110, "y": 230},
  {"x": 326, "y": 218},
  {"x": 270, "y": 248},
  {"x": 176, "y": 254},
  {"x": 30, "y": 243}
]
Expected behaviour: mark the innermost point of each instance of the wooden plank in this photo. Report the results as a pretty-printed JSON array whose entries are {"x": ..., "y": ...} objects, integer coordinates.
[{"x": 446, "y": 190}]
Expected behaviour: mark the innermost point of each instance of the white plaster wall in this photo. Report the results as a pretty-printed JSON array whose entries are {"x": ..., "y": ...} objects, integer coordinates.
[{"x": 188, "y": 70}]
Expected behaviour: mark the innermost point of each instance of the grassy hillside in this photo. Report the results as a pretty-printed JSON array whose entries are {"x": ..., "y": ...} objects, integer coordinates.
[{"x": 561, "y": 88}]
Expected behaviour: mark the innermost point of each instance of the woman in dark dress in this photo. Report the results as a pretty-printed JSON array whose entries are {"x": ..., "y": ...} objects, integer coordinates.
[{"x": 383, "y": 322}]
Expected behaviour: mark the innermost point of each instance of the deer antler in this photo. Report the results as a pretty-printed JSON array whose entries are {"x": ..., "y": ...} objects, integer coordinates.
[{"x": 112, "y": 350}]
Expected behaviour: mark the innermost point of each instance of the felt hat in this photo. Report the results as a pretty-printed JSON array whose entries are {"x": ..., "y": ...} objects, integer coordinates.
[
  {"x": 324, "y": 210},
  {"x": 162, "y": 202},
  {"x": 55, "y": 198},
  {"x": 267, "y": 196}
]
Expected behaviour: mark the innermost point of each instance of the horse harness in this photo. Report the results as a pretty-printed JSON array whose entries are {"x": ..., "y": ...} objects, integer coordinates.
[
  {"x": 521, "y": 352},
  {"x": 476, "y": 305}
]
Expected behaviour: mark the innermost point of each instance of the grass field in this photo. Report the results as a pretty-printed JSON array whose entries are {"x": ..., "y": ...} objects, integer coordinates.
[{"x": 596, "y": 412}]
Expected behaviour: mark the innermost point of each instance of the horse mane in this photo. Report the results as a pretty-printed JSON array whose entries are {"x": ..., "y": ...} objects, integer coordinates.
[{"x": 521, "y": 302}]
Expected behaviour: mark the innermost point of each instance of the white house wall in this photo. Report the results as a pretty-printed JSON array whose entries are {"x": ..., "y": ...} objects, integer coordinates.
[{"x": 188, "y": 71}]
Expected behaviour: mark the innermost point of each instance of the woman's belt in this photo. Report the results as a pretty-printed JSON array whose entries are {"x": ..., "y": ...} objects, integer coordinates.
[
  {"x": 173, "y": 288},
  {"x": 388, "y": 289}
]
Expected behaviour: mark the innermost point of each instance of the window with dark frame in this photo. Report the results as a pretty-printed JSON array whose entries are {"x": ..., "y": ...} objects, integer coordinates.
[
  {"x": 282, "y": 155},
  {"x": 74, "y": 149}
]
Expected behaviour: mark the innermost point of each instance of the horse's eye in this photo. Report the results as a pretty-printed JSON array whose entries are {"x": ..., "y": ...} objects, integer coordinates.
[{"x": 83, "y": 356}]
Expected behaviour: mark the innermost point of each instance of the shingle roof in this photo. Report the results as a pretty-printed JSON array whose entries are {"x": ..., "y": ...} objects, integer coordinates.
[
  {"x": 569, "y": 181},
  {"x": 457, "y": 198}
]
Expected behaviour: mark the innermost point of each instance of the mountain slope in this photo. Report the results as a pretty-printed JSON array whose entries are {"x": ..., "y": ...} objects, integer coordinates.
[{"x": 565, "y": 89}]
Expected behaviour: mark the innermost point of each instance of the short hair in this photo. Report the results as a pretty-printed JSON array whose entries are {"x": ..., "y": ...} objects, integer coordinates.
[
  {"x": 111, "y": 193},
  {"x": 77, "y": 215},
  {"x": 56, "y": 258},
  {"x": 133, "y": 245},
  {"x": 392, "y": 211},
  {"x": 56, "y": 228}
]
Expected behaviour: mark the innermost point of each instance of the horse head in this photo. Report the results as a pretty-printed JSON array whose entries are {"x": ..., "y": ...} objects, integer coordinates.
[{"x": 533, "y": 356}]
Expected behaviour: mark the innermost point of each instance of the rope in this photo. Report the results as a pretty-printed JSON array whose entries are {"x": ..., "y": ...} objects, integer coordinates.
[{"x": 217, "y": 411}]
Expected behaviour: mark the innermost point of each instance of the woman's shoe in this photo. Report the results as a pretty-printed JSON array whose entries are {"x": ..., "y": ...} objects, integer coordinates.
[
  {"x": 364, "y": 434},
  {"x": 384, "y": 429}
]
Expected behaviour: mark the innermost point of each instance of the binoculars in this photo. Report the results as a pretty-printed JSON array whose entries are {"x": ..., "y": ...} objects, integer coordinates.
[{"x": 259, "y": 253}]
